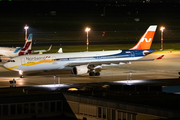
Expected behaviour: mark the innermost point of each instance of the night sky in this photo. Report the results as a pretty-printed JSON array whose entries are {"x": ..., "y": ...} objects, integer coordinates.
[{"x": 105, "y": 15}]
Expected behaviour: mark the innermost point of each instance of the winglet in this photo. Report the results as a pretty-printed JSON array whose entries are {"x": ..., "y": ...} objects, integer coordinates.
[
  {"x": 30, "y": 37},
  {"x": 159, "y": 57},
  {"x": 41, "y": 51},
  {"x": 49, "y": 48},
  {"x": 146, "y": 40}
]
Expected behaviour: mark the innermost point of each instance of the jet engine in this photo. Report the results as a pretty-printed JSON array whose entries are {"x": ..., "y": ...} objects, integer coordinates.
[{"x": 78, "y": 70}]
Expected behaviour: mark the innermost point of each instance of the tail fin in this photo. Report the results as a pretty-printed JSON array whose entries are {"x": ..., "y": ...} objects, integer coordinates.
[
  {"x": 28, "y": 43},
  {"x": 146, "y": 40},
  {"x": 27, "y": 46},
  {"x": 60, "y": 50}
]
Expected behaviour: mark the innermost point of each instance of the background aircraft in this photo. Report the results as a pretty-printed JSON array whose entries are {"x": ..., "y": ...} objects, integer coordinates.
[
  {"x": 18, "y": 51},
  {"x": 84, "y": 62}
]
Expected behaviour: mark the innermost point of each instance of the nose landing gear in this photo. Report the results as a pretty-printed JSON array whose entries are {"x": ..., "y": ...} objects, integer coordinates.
[{"x": 21, "y": 74}]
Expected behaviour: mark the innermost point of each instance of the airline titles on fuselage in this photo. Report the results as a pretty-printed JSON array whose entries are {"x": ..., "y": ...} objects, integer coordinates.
[{"x": 35, "y": 58}]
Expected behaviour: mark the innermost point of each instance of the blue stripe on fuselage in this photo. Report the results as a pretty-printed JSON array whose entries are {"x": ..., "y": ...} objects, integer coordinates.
[{"x": 122, "y": 54}]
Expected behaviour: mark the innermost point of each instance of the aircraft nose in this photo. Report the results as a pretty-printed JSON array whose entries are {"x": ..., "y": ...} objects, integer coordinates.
[{"x": 6, "y": 65}]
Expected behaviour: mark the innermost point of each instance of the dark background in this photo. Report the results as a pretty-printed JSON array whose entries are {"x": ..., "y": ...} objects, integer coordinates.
[{"x": 66, "y": 26}]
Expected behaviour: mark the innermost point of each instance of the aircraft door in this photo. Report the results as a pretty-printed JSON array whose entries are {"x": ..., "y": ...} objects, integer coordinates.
[
  {"x": 53, "y": 57},
  {"x": 98, "y": 56},
  {"x": 23, "y": 61},
  {"x": 132, "y": 54},
  {"x": 54, "y": 64}
]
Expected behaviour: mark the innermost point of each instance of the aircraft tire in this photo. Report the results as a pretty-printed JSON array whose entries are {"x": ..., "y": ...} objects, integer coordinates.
[
  {"x": 21, "y": 76},
  {"x": 97, "y": 74},
  {"x": 91, "y": 74}
]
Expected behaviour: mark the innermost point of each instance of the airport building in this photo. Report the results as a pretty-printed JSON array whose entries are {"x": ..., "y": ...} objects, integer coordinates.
[{"x": 60, "y": 103}]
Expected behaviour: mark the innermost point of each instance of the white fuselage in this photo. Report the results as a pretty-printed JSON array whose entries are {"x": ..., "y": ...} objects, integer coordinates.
[
  {"x": 9, "y": 51},
  {"x": 60, "y": 61}
]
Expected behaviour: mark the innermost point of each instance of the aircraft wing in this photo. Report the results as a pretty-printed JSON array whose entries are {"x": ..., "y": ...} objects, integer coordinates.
[
  {"x": 109, "y": 62},
  {"x": 41, "y": 51}
]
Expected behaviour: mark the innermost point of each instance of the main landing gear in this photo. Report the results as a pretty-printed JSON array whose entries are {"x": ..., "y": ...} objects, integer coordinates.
[{"x": 93, "y": 71}]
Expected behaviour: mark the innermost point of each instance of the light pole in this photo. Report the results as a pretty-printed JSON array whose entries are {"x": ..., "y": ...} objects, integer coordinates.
[
  {"x": 87, "y": 30},
  {"x": 26, "y": 27},
  {"x": 162, "y": 29}
]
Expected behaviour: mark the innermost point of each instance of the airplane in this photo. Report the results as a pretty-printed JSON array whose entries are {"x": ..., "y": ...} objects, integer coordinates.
[
  {"x": 83, "y": 62},
  {"x": 18, "y": 51},
  {"x": 41, "y": 51}
]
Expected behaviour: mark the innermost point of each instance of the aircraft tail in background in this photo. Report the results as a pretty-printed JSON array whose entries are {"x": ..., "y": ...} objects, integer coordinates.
[
  {"x": 28, "y": 43},
  {"x": 27, "y": 46},
  {"x": 146, "y": 40}
]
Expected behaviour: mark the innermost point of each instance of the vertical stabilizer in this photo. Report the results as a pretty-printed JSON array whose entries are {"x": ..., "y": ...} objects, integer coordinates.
[
  {"x": 28, "y": 43},
  {"x": 27, "y": 46},
  {"x": 146, "y": 40},
  {"x": 60, "y": 50}
]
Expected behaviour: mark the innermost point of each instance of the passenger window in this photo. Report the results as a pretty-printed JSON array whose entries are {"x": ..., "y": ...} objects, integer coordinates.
[{"x": 11, "y": 61}]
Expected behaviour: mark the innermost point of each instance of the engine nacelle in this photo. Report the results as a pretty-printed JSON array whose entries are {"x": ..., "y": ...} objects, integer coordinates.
[{"x": 78, "y": 70}]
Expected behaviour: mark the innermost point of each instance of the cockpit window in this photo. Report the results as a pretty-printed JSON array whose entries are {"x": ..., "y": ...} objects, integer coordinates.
[{"x": 11, "y": 60}]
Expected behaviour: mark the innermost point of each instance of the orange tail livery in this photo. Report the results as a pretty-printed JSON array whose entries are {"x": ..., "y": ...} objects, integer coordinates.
[{"x": 146, "y": 40}]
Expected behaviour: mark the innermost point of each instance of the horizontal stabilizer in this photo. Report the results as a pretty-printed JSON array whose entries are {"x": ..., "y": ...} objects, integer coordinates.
[{"x": 159, "y": 57}]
